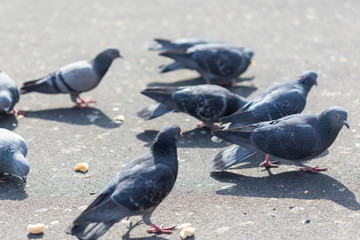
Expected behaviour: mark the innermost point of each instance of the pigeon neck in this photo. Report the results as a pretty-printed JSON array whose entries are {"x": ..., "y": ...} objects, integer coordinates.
[
  {"x": 164, "y": 152},
  {"x": 101, "y": 65},
  {"x": 234, "y": 103},
  {"x": 329, "y": 131},
  {"x": 306, "y": 87}
]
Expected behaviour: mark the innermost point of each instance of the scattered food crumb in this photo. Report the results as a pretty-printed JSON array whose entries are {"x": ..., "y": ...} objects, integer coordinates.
[
  {"x": 88, "y": 176},
  {"x": 20, "y": 116},
  {"x": 82, "y": 167},
  {"x": 306, "y": 191},
  {"x": 92, "y": 193},
  {"x": 119, "y": 118},
  {"x": 186, "y": 230},
  {"x": 37, "y": 228}
]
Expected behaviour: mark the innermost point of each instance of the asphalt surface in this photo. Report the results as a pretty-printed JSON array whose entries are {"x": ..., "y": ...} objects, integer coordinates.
[{"x": 246, "y": 202}]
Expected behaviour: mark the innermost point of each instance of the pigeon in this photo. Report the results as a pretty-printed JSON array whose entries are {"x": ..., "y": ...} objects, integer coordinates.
[
  {"x": 182, "y": 43},
  {"x": 75, "y": 78},
  {"x": 9, "y": 94},
  {"x": 136, "y": 190},
  {"x": 13, "y": 151},
  {"x": 297, "y": 137},
  {"x": 205, "y": 102},
  {"x": 277, "y": 101},
  {"x": 213, "y": 61}
]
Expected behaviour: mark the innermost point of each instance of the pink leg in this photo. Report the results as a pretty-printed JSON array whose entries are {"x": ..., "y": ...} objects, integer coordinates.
[
  {"x": 160, "y": 229},
  {"x": 312, "y": 169},
  {"x": 267, "y": 163},
  {"x": 225, "y": 84},
  {"x": 17, "y": 113},
  {"x": 2, "y": 180},
  {"x": 83, "y": 103},
  {"x": 213, "y": 126}
]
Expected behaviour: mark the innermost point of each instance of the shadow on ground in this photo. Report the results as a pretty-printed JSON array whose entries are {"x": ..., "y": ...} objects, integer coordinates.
[
  {"x": 13, "y": 188},
  {"x": 196, "y": 138},
  {"x": 299, "y": 185},
  {"x": 86, "y": 116},
  {"x": 126, "y": 236},
  {"x": 8, "y": 122},
  {"x": 244, "y": 91}
]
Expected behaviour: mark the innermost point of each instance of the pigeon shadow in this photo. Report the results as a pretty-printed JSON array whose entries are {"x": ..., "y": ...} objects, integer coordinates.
[
  {"x": 8, "y": 122},
  {"x": 299, "y": 185},
  {"x": 195, "y": 138},
  {"x": 13, "y": 188},
  {"x": 126, "y": 236},
  {"x": 73, "y": 115},
  {"x": 245, "y": 90},
  {"x": 35, "y": 236}
]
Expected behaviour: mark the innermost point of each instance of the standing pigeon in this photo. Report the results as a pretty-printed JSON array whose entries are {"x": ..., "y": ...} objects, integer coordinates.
[
  {"x": 277, "y": 101},
  {"x": 182, "y": 43},
  {"x": 136, "y": 190},
  {"x": 296, "y": 137},
  {"x": 75, "y": 78},
  {"x": 205, "y": 102},
  {"x": 13, "y": 151},
  {"x": 9, "y": 94},
  {"x": 214, "y": 61}
]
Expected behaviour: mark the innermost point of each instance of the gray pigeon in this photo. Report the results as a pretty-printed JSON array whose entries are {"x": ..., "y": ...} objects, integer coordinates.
[
  {"x": 277, "y": 101},
  {"x": 213, "y": 61},
  {"x": 75, "y": 78},
  {"x": 297, "y": 137},
  {"x": 13, "y": 151},
  {"x": 205, "y": 102},
  {"x": 182, "y": 43},
  {"x": 9, "y": 94},
  {"x": 136, "y": 190}
]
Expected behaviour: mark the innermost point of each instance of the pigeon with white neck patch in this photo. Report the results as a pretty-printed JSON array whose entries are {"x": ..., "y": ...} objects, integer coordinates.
[{"x": 75, "y": 78}]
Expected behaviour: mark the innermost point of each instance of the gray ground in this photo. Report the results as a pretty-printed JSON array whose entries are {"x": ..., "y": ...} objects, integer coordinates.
[{"x": 246, "y": 202}]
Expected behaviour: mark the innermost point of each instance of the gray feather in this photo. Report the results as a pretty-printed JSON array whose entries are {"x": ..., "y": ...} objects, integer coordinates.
[{"x": 9, "y": 93}]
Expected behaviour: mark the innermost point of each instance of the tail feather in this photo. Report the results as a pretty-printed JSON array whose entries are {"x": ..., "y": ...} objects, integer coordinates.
[
  {"x": 230, "y": 157},
  {"x": 162, "y": 95},
  {"x": 154, "y": 111},
  {"x": 162, "y": 44},
  {"x": 240, "y": 117},
  {"x": 171, "y": 67},
  {"x": 240, "y": 136},
  {"x": 176, "y": 54},
  {"x": 39, "y": 85},
  {"x": 89, "y": 231}
]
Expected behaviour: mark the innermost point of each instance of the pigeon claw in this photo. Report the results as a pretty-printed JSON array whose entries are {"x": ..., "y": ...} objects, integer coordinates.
[
  {"x": 312, "y": 169},
  {"x": 83, "y": 103},
  {"x": 213, "y": 126},
  {"x": 161, "y": 229},
  {"x": 267, "y": 163},
  {"x": 2, "y": 180}
]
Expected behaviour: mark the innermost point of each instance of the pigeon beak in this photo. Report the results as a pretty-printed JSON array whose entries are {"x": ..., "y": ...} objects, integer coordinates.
[
  {"x": 252, "y": 63},
  {"x": 346, "y": 123},
  {"x": 315, "y": 82},
  {"x": 120, "y": 56},
  {"x": 24, "y": 178},
  {"x": 181, "y": 135}
]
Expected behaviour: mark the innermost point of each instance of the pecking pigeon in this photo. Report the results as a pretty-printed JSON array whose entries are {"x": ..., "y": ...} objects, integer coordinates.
[
  {"x": 213, "y": 61},
  {"x": 75, "y": 78},
  {"x": 136, "y": 190},
  {"x": 296, "y": 137},
  {"x": 205, "y": 102},
  {"x": 277, "y": 101},
  {"x": 13, "y": 151},
  {"x": 182, "y": 43},
  {"x": 9, "y": 94}
]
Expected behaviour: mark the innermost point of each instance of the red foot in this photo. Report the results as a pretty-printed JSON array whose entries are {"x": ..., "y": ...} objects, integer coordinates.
[
  {"x": 17, "y": 113},
  {"x": 160, "y": 229},
  {"x": 267, "y": 163},
  {"x": 225, "y": 84},
  {"x": 83, "y": 103},
  {"x": 2, "y": 180},
  {"x": 312, "y": 169}
]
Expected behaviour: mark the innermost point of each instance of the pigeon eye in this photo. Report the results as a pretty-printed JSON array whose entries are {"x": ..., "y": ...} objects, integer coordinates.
[
  {"x": 337, "y": 116},
  {"x": 178, "y": 132}
]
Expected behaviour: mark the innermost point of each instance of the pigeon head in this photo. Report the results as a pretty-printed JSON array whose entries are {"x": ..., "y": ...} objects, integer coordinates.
[
  {"x": 5, "y": 102},
  {"x": 337, "y": 117},
  {"x": 104, "y": 59},
  {"x": 249, "y": 53},
  {"x": 21, "y": 166},
  {"x": 169, "y": 133},
  {"x": 308, "y": 78}
]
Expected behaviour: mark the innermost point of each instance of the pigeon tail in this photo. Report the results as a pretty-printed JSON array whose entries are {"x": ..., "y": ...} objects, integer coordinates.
[
  {"x": 154, "y": 111},
  {"x": 162, "y": 44},
  {"x": 171, "y": 67},
  {"x": 230, "y": 157},
  {"x": 240, "y": 117},
  {"x": 161, "y": 95},
  {"x": 89, "y": 231},
  {"x": 240, "y": 136},
  {"x": 39, "y": 85}
]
